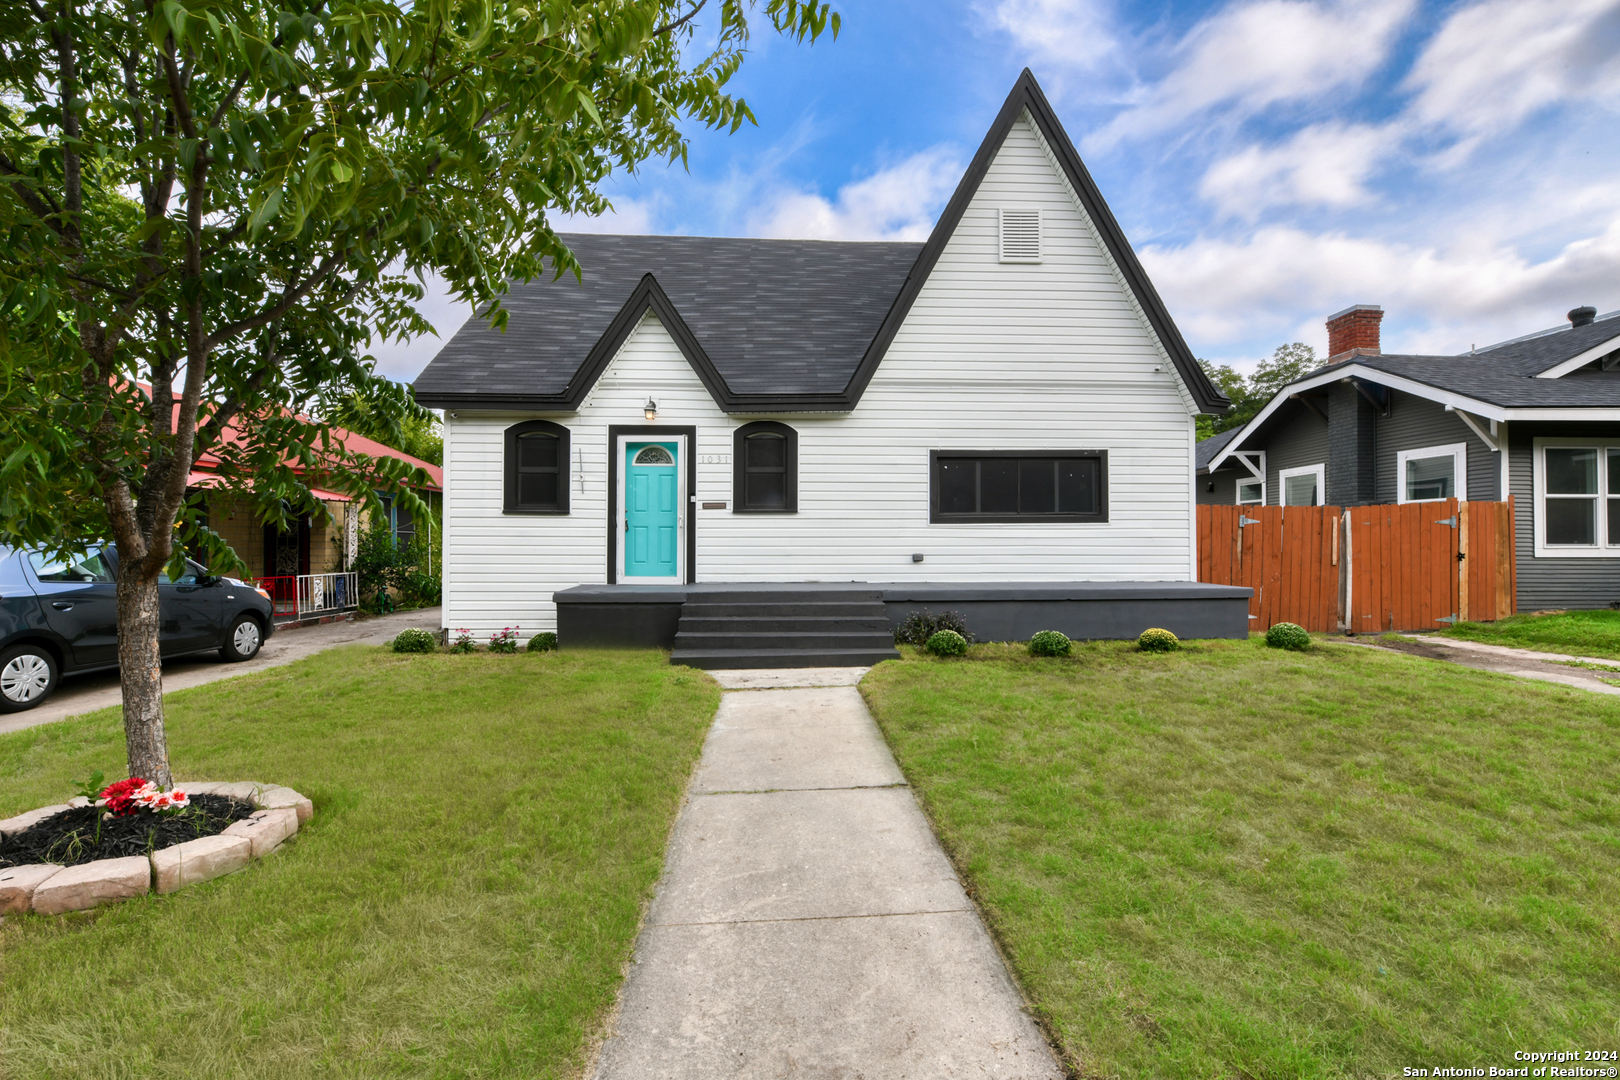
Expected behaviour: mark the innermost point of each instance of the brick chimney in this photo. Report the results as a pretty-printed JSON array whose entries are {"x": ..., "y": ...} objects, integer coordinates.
[{"x": 1354, "y": 332}]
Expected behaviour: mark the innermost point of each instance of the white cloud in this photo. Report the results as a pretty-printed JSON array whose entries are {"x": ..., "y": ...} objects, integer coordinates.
[
  {"x": 1247, "y": 57},
  {"x": 1322, "y": 165},
  {"x": 897, "y": 203},
  {"x": 1229, "y": 291},
  {"x": 1494, "y": 64},
  {"x": 628, "y": 216},
  {"x": 1063, "y": 33}
]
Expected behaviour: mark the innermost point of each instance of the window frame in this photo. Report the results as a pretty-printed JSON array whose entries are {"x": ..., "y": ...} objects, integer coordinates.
[
  {"x": 936, "y": 517},
  {"x": 739, "y": 467},
  {"x": 509, "y": 494},
  {"x": 1607, "y": 547},
  {"x": 1319, "y": 471},
  {"x": 1237, "y": 489},
  {"x": 1459, "y": 455}
]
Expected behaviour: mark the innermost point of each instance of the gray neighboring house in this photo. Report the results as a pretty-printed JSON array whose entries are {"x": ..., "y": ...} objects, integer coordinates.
[{"x": 1537, "y": 417}]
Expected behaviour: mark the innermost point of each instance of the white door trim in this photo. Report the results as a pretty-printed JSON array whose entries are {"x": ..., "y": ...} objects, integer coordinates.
[{"x": 621, "y": 517}]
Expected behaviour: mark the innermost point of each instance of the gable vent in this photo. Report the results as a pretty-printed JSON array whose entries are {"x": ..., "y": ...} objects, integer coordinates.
[{"x": 1020, "y": 236}]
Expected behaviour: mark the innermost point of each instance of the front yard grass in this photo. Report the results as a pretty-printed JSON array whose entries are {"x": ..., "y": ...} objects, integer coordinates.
[
  {"x": 1233, "y": 861},
  {"x": 1581, "y": 633},
  {"x": 486, "y": 831}
]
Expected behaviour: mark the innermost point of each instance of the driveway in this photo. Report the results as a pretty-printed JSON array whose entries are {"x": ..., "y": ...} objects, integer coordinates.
[{"x": 80, "y": 694}]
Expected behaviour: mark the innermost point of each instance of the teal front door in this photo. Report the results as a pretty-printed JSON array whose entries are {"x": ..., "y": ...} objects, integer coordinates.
[{"x": 651, "y": 509}]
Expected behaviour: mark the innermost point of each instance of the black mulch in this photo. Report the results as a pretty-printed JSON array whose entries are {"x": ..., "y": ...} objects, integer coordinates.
[{"x": 70, "y": 838}]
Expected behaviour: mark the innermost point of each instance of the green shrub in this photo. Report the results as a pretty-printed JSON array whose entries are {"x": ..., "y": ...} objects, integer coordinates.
[
  {"x": 463, "y": 642},
  {"x": 1050, "y": 643},
  {"x": 416, "y": 640},
  {"x": 504, "y": 640},
  {"x": 1154, "y": 639},
  {"x": 1287, "y": 635},
  {"x": 545, "y": 641},
  {"x": 922, "y": 625},
  {"x": 389, "y": 575},
  {"x": 947, "y": 643}
]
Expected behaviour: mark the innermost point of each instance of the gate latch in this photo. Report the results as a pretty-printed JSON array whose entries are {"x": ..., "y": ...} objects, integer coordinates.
[{"x": 1452, "y": 521}]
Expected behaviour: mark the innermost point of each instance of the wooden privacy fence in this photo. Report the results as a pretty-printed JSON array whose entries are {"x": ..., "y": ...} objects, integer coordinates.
[{"x": 1368, "y": 569}]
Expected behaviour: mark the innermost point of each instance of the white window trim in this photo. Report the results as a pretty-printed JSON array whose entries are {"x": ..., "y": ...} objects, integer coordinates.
[
  {"x": 1459, "y": 453},
  {"x": 1238, "y": 490},
  {"x": 1255, "y": 462},
  {"x": 681, "y": 497},
  {"x": 1318, "y": 471},
  {"x": 1607, "y": 547}
]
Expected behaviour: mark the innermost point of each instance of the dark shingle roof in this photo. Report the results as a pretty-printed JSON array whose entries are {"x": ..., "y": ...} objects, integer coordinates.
[
  {"x": 1205, "y": 451},
  {"x": 1506, "y": 384},
  {"x": 1505, "y": 374},
  {"x": 1536, "y": 353},
  {"x": 774, "y": 316}
]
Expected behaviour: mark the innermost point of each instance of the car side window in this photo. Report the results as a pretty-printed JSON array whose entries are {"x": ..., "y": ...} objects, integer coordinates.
[
  {"x": 91, "y": 568},
  {"x": 193, "y": 575}
]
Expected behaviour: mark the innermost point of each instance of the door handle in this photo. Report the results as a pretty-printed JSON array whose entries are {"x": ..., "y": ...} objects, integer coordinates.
[
  {"x": 626, "y": 524},
  {"x": 62, "y": 605}
]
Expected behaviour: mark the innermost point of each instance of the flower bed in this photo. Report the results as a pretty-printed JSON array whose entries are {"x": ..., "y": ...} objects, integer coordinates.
[
  {"x": 84, "y": 834},
  {"x": 137, "y": 839}
]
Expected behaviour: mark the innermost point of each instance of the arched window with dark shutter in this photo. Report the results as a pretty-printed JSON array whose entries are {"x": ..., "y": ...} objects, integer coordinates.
[
  {"x": 537, "y": 470},
  {"x": 765, "y": 469}
]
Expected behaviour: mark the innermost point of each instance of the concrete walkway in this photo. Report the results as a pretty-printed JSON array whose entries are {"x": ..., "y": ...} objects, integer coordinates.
[
  {"x": 808, "y": 923},
  {"x": 1524, "y": 663},
  {"x": 80, "y": 694}
]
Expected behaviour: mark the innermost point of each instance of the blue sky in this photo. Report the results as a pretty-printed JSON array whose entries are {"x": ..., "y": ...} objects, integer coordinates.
[{"x": 1272, "y": 161}]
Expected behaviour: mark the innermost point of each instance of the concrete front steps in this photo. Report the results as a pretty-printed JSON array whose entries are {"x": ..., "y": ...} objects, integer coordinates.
[{"x": 784, "y": 628}]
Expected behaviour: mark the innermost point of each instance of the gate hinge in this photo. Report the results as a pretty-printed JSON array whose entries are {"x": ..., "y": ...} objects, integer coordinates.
[
  {"x": 1243, "y": 521},
  {"x": 1452, "y": 521},
  {"x": 1452, "y": 618}
]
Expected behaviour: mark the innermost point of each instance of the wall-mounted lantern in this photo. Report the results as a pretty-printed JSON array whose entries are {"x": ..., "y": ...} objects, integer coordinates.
[{"x": 651, "y": 409}]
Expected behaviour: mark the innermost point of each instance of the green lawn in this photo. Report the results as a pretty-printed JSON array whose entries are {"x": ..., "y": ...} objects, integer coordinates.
[
  {"x": 1239, "y": 862},
  {"x": 1583, "y": 633},
  {"x": 487, "y": 830}
]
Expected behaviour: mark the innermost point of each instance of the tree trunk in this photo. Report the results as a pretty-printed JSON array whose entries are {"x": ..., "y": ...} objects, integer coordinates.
[{"x": 141, "y": 674}]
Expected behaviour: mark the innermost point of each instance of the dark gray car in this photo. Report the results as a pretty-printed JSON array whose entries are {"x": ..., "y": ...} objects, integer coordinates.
[{"x": 60, "y": 617}]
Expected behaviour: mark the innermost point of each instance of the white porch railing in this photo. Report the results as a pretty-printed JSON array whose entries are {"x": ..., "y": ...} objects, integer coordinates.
[
  {"x": 305, "y": 596},
  {"x": 320, "y": 594}
]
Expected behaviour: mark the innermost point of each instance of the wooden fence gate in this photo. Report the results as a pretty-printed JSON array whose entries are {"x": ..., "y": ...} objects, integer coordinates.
[{"x": 1369, "y": 569}]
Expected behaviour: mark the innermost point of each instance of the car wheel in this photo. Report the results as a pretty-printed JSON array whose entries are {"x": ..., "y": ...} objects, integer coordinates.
[
  {"x": 242, "y": 640},
  {"x": 27, "y": 676}
]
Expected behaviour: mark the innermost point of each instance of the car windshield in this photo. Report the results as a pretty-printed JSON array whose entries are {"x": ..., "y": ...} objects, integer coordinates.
[{"x": 91, "y": 568}]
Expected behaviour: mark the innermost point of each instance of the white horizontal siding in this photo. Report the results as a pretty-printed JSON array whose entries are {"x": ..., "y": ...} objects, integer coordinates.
[{"x": 993, "y": 356}]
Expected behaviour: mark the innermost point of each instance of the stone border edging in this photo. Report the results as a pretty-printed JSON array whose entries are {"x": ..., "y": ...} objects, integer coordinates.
[{"x": 49, "y": 889}]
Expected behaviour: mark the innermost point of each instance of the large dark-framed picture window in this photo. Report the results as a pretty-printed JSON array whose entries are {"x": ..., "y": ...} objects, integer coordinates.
[
  {"x": 1017, "y": 485},
  {"x": 536, "y": 468},
  {"x": 765, "y": 469}
]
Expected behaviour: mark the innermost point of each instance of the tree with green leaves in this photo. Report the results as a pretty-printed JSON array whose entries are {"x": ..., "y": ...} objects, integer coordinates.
[
  {"x": 207, "y": 207},
  {"x": 385, "y": 412},
  {"x": 1249, "y": 396}
]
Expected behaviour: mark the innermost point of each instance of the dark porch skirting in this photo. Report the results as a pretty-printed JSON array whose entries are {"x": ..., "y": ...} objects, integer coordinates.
[{"x": 648, "y": 616}]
